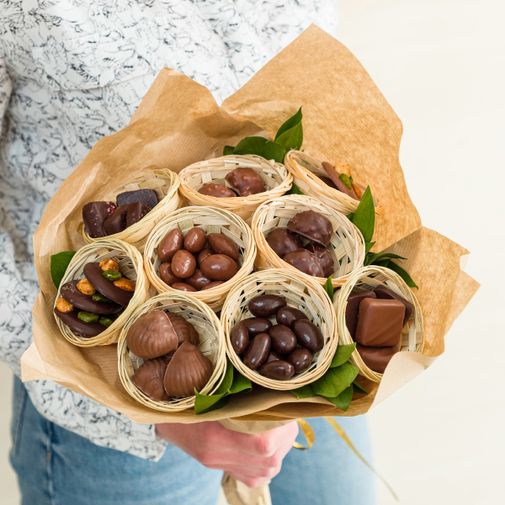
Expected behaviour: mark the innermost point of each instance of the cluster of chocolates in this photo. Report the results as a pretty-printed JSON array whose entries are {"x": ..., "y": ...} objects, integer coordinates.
[
  {"x": 375, "y": 320},
  {"x": 106, "y": 218},
  {"x": 90, "y": 305},
  {"x": 339, "y": 181},
  {"x": 304, "y": 243},
  {"x": 173, "y": 365},
  {"x": 277, "y": 351},
  {"x": 242, "y": 181},
  {"x": 197, "y": 260}
]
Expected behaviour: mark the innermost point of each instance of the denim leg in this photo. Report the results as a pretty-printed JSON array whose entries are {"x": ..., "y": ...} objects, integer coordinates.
[
  {"x": 328, "y": 473},
  {"x": 57, "y": 467}
]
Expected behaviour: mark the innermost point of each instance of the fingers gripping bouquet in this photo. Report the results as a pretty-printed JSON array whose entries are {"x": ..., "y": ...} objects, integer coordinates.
[{"x": 279, "y": 254}]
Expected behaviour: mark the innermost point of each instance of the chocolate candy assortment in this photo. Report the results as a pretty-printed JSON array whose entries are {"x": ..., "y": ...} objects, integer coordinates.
[
  {"x": 173, "y": 366},
  {"x": 89, "y": 305},
  {"x": 279, "y": 341},
  {"x": 107, "y": 218},
  {"x": 242, "y": 181},
  {"x": 197, "y": 260},
  {"x": 375, "y": 320},
  {"x": 304, "y": 243}
]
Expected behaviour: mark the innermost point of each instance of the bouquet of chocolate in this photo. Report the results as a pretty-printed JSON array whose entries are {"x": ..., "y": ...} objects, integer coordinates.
[{"x": 257, "y": 271}]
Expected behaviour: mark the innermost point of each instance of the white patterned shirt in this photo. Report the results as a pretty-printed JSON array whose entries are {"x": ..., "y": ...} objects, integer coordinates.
[{"x": 72, "y": 71}]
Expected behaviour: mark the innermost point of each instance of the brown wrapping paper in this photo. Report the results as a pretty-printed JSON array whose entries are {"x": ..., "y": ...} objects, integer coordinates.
[{"x": 345, "y": 119}]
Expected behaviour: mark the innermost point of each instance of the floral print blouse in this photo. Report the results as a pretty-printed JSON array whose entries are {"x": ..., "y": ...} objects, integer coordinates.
[{"x": 72, "y": 71}]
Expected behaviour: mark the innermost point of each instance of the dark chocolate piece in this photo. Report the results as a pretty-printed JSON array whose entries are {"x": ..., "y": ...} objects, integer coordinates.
[
  {"x": 183, "y": 286},
  {"x": 198, "y": 280},
  {"x": 352, "y": 309},
  {"x": 380, "y": 322},
  {"x": 283, "y": 339},
  {"x": 324, "y": 256},
  {"x": 94, "y": 214},
  {"x": 288, "y": 315},
  {"x": 136, "y": 211},
  {"x": 277, "y": 370},
  {"x": 116, "y": 222},
  {"x": 386, "y": 293},
  {"x": 258, "y": 350},
  {"x": 93, "y": 273},
  {"x": 312, "y": 225},
  {"x": 282, "y": 241},
  {"x": 79, "y": 327},
  {"x": 266, "y": 305},
  {"x": 84, "y": 302},
  {"x": 257, "y": 325},
  {"x": 239, "y": 338},
  {"x": 306, "y": 262},
  {"x": 377, "y": 358},
  {"x": 308, "y": 335},
  {"x": 301, "y": 359},
  {"x": 148, "y": 197}
]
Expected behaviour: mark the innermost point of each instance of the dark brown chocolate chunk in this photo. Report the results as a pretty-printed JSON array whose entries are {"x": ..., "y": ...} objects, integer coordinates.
[
  {"x": 308, "y": 335},
  {"x": 93, "y": 273},
  {"x": 198, "y": 280},
  {"x": 305, "y": 261},
  {"x": 380, "y": 322},
  {"x": 246, "y": 181},
  {"x": 334, "y": 175},
  {"x": 278, "y": 370},
  {"x": 386, "y": 293},
  {"x": 324, "y": 256},
  {"x": 301, "y": 359},
  {"x": 313, "y": 226},
  {"x": 288, "y": 315},
  {"x": 257, "y": 325},
  {"x": 257, "y": 352},
  {"x": 84, "y": 302},
  {"x": 170, "y": 244},
  {"x": 219, "y": 267},
  {"x": 352, "y": 309},
  {"x": 221, "y": 244},
  {"x": 283, "y": 339},
  {"x": 377, "y": 358},
  {"x": 282, "y": 241},
  {"x": 194, "y": 241},
  {"x": 79, "y": 327},
  {"x": 239, "y": 338},
  {"x": 183, "y": 264},
  {"x": 166, "y": 274},
  {"x": 94, "y": 214},
  {"x": 147, "y": 197},
  {"x": 149, "y": 378},
  {"x": 116, "y": 222},
  {"x": 136, "y": 211},
  {"x": 266, "y": 305},
  {"x": 217, "y": 190}
]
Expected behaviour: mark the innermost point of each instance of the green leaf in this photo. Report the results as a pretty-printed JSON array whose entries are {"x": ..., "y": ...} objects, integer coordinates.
[
  {"x": 373, "y": 258},
  {"x": 303, "y": 392},
  {"x": 205, "y": 403},
  {"x": 335, "y": 380},
  {"x": 342, "y": 355},
  {"x": 347, "y": 180},
  {"x": 402, "y": 273},
  {"x": 328, "y": 287},
  {"x": 295, "y": 190},
  {"x": 262, "y": 147},
  {"x": 240, "y": 384},
  {"x": 290, "y": 134},
  {"x": 364, "y": 216},
  {"x": 343, "y": 400},
  {"x": 59, "y": 264},
  {"x": 225, "y": 386},
  {"x": 228, "y": 150}
]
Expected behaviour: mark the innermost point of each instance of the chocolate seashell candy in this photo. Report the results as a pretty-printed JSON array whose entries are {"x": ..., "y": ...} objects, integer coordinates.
[
  {"x": 313, "y": 226},
  {"x": 149, "y": 378},
  {"x": 185, "y": 331}
]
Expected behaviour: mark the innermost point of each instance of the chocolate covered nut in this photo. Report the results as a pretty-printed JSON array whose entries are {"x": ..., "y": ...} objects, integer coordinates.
[
  {"x": 94, "y": 214},
  {"x": 149, "y": 378},
  {"x": 219, "y": 267},
  {"x": 288, "y": 315},
  {"x": 79, "y": 327},
  {"x": 204, "y": 253},
  {"x": 93, "y": 273},
  {"x": 257, "y": 352},
  {"x": 313, "y": 226},
  {"x": 183, "y": 264},
  {"x": 170, "y": 244},
  {"x": 380, "y": 322},
  {"x": 166, "y": 274},
  {"x": 185, "y": 331},
  {"x": 221, "y": 244},
  {"x": 384, "y": 292},
  {"x": 116, "y": 222},
  {"x": 336, "y": 178},
  {"x": 245, "y": 181},
  {"x": 277, "y": 370},
  {"x": 377, "y": 358},
  {"x": 152, "y": 335},
  {"x": 86, "y": 303},
  {"x": 182, "y": 286},
  {"x": 305, "y": 261},
  {"x": 217, "y": 190},
  {"x": 239, "y": 338},
  {"x": 147, "y": 197},
  {"x": 324, "y": 257},
  {"x": 283, "y": 339},
  {"x": 257, "y": 325},
  {"x": 135, "y": 212},
  {"x": 198, "y": 280},
  {"x": 301, "y": 359},
  {"x": 308, "y": 335},
  {"x": 266, "y": 305},
  {"x": 212, "y": 284},
  {"x": 282, "y": 241},
  {"x": 194, "y": 241},
  {"x": 352, "y": 309}
]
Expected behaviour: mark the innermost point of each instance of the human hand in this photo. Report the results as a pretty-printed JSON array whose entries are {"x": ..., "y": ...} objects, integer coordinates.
[{"x": 251, "y": 459}]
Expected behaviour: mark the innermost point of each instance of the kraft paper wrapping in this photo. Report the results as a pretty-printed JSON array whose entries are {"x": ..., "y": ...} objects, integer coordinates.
[{"x": 346, "y": 118}]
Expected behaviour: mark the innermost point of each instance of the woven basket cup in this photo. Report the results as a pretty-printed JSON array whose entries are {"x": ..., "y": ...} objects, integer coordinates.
[
  {"x": 212, "y": 220},
  {"x": 277, "y": 179},
  {"x": 211, "y": 345},
  {"x": 306, "y": 172},
  {"x": 164, "y": 182},
  {"x": 347, "y": 245},
  {"x": 371, "y": 277},
  {"x": 130, "y": 263},
  {"x": 301, "y": 293}
]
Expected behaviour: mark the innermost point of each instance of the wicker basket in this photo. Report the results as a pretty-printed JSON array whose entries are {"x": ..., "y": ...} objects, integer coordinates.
[
  {"x": 277, "y": 179},
  {"x": 212, "y": 220},
  {"x": 301, "y": 293},
  {"x": 347, "y": 243},
  {"x": 371, "y": 277},
  {"x": 306, "y": 172},
  {"x": 211, "y": 345},
  {"x": 130, "y": 263},
  {"x": 164, "y": 182}
]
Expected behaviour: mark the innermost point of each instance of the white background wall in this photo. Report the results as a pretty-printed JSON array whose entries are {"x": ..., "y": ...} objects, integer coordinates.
[{"x": 441, "y": 65}]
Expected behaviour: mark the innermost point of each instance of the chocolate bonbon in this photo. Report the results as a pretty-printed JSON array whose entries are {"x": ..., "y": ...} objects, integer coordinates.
[
  {"x": 282, "y": 241},
  {"x": 245, "y": 181},
  {"x": 149, "y": 378},
  {"x": 266, "y": 305},
  {"x": 217, "y": 190},
  {"x": 313, "y": 226}
]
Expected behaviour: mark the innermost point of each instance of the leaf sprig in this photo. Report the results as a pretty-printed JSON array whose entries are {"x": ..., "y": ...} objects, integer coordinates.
[{"x": 59, "y": 264}]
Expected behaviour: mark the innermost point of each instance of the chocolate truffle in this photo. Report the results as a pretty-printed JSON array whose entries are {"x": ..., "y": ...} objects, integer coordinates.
[{"x": 313, "y": 226}]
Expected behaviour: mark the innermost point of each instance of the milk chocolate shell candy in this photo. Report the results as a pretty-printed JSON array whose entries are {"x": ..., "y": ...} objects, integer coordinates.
[
  {"x": 313, "y": 226},
  {"x": 188, "y": 370},
  {"x": 246, "y": 181},
  {"x": 185, "y": 331},
  {"x": 152, "y": 335},
  {"x": 149, "y": 378}
]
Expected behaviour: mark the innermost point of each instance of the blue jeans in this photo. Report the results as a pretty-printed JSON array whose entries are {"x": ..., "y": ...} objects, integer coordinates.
[{"x": 57, "y": 467}]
